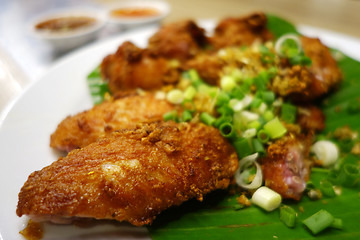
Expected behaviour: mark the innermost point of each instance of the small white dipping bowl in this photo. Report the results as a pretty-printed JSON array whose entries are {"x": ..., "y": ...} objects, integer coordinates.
[
  {"x": 161, "y": 7},
  {"x": 65, "y": 40}
]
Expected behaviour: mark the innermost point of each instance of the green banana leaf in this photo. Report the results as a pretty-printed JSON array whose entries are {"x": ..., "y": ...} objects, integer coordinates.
[{"x": 216, "y": 217}]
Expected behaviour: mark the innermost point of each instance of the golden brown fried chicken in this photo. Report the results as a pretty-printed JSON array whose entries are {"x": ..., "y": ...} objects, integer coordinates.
[
  {"x": 179, "y": 40},
  {"x": 132, "y": 67},
  {"x": 303, "y": 83},
  {"x": 84, "y": 128},
  {"x": 285, "y": 169},
  {"x": 241, "y": 31},
  {"x": 131, "y": 175},
  {"x": 327, "y": 75}
]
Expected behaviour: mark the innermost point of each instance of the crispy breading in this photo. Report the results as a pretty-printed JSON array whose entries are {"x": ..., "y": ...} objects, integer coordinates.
[
  {"x": 180, "y": 40},
  {"x": 131, "y": 175},
  {"x": 84, "y": 128},
  {"x": 242, "y": 31},
  {"x": 132, "y": 67}
]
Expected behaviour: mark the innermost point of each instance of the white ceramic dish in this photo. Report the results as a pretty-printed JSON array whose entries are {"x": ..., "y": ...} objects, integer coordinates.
[
  {"x": 67, "y": 40},
  {"x": 24, "y": 133},
  {"x": 162, "y": 7}
]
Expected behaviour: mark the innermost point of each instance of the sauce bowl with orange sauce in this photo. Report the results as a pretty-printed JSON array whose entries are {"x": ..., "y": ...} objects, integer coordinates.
[{"x": 136, "y": 13}]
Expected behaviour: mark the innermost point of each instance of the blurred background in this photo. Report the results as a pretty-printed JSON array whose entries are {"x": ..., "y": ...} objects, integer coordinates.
[{"x": 23, "y": 58}]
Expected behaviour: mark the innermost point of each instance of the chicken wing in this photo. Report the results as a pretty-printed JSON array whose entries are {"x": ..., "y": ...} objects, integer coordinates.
[
  {"x": 132, "y": 67},
  {"x": 241, "y": 31},
  {"x": 131, "y": 175},
  {"x": 303, "y": 83},
  {"x": 180, "y": 40},
  {"x": 84, "y": 128}
]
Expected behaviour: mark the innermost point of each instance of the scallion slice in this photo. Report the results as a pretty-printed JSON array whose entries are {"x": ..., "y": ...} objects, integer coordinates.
[
  {"x": 274, "y": 128},
  {"x": 288, "y": 216},
  {"x": 207, "y": 118},
  {"x": 227, "y": 130},
  {"x": 319, "y": 221}
]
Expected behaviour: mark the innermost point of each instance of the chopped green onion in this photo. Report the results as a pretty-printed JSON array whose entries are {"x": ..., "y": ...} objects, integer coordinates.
[
  {"x": 227, "y": 130},
  {"x": 175, "y": 96},
  {"x": 207, "y": 118},
  {"x": 254, "y": 124},
  {"x": 227, "y": 83},
  {"x": 248, "y": 116},
  {"x": 288, "y": 216},
  {"x": 258, "y": 146},
  {"x": 261, "y": 81},
  {"x": 325, "y": 151},
  {"x": 267, "y": 96},
  {"x": 195, "y": 78},
  {"x": 319, "y": 221},
  {"x": 266, "y": 198},
  {"x": 288, "y": 45},
  {"x": 263, "y": 136},
  {"x": 327, "y": 189},
  {"x": 288, "y": 112},
  {"x": 172, "y": 115},
  {"x": 256, "y": 102},
  {"x": 300, "y": 59},
  {"x": 246, "y": 169},
  {"x": 349, "y": 175},
  {"x": 236, "y": 105},
  {"x": 249, "y": 133},
  {"x": 237, "y": 93},
  {"x": 242, "y": 147},
  {"x": 337, "y": 224},
  {"x": 221, "y": 120},
  {"x": 274, "y": 128},
  {"x": 222, "y": 98},
  {"x": 225, "y": 110},
  {"x": 268, "y": 115},
  {"x": 189, "y": 93},
  {"x": 186, "y": 116}
]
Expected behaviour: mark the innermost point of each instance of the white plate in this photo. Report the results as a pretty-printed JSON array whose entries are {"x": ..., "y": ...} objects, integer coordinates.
[{"x": 25, "y": 132}]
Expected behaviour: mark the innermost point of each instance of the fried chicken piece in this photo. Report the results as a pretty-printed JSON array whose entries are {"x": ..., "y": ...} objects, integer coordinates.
[
  {"x": 132, "y": 67},
  {"x": 303, "y": 83},
  {"x": 131, "y": 175},
  {"x": 285, "y": 169},
  {"x": 327, "y": 75},
  {"x": 180, "y": 40},
  {"x": 84, "y": 128},
  {"x": 241, "y": 31}
]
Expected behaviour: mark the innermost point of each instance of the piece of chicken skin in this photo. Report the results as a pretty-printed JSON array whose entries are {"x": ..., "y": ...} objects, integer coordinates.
[
  {"x": 180, "y": 40},
  {"x": 242, "y": 31},
  {"x": 304, "y": 84},
  {"x": 86, "y": 127},
  {"x": 285, "y": 168},
  {"x": 131, "y": 67},
  {"x": 131, "y": 175}
]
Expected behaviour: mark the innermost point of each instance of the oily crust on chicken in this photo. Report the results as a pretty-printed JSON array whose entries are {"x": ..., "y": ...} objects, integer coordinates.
[{"x": 131, "y": 175}]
